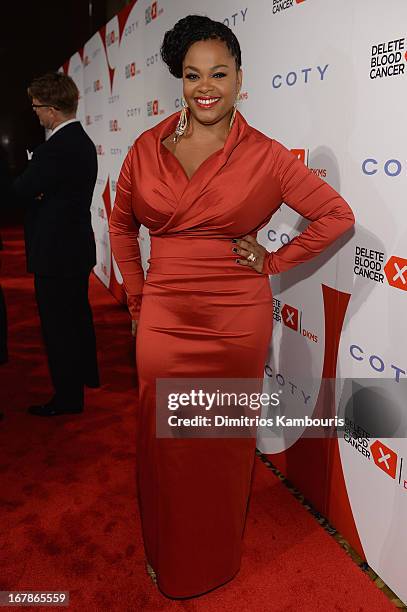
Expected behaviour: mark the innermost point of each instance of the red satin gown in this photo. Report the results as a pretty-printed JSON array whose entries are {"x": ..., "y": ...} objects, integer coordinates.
[{"x": 202, "y": 315}]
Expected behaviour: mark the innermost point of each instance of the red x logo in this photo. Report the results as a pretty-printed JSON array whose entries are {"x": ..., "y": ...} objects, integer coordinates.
[
  {"x": 384, "y": 458},
  {"x": 302, "y": 155},
  {"x": 289, "y": 315},
  {"x": 396, "y": 272}
]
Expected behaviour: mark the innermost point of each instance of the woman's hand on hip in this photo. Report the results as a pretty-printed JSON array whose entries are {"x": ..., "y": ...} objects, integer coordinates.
[{"x": 251, "y": 253}]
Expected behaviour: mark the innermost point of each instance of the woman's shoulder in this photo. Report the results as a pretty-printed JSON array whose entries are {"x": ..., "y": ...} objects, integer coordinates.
[
  {"x": 279, "y": 153},
  {"x": 276, "y": 147},
  {"x": 260, "y": 139},
  {"x": 263, "y": 139}
]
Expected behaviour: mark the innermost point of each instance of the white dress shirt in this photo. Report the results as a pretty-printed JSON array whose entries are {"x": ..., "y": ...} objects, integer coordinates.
[{"x": 61, "y": 125}]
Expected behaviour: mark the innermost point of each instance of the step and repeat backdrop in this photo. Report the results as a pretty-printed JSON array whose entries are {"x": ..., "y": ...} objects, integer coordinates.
[{"x": 328, "y": 79}]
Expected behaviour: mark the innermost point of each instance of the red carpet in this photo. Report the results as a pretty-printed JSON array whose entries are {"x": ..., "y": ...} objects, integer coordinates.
[{"x": 69, "y": 518}]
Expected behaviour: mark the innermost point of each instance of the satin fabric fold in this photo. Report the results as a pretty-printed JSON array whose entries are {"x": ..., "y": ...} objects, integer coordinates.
[{"x": 202, "y": 315}]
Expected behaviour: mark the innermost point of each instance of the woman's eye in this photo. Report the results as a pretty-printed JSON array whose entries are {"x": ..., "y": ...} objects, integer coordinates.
[
  {"x": 219, "y": 75},
  {"x": 191, "y": 76}
]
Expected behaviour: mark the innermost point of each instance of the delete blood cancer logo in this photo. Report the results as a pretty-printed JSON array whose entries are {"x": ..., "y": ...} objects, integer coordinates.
[
  {"x": 283, "y": 5},
  {"x": 388, "y": 59},
  {"x": 369, "y": 263},
  {"x": 384, "y": 457}
]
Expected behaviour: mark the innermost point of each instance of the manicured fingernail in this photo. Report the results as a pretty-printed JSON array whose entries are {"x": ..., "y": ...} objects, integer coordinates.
[{"x": 234, "y": 250}]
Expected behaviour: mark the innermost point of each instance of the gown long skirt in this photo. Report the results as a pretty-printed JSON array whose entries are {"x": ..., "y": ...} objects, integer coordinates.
[{"x": 202, "y": 316}]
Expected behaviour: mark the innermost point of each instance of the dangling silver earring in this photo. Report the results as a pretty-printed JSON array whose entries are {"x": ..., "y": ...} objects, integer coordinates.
[
  {"x": 234, "y": 111},
  {"x": 183, "y": 121}
]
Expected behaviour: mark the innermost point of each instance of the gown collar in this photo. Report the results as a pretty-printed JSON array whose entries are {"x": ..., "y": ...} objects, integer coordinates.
[
  {"x": 236, "y": 135},
  {"x": 186, "y": 193}
]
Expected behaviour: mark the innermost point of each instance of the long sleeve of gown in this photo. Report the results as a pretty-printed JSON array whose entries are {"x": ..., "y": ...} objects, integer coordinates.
[
  {"x": 314, "y": 199},
  {"x": 124, "y": 231}
]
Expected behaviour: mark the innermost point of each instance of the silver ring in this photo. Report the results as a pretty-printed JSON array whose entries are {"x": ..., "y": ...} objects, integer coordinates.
[{"x": 252, "y": 257}]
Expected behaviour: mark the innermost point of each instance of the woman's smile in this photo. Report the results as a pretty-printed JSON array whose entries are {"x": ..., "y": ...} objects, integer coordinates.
[{"x": 206, "y": 103}]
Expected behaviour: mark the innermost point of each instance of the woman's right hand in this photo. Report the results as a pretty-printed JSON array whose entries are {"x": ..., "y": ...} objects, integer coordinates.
[{"x": 134, "y": 328}]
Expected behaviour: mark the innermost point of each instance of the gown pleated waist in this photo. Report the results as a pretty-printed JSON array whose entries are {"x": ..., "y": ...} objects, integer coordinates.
[{"x": 184, "y": 265}]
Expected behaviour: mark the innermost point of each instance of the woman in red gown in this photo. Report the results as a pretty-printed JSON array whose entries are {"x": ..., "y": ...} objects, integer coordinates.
[{"x": 205, "y": 310}]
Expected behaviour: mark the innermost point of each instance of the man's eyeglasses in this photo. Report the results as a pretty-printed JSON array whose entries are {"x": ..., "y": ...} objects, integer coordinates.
[{"x": 34, "y": 106}]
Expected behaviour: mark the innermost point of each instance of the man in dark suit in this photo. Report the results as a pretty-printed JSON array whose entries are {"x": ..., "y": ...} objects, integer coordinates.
[
  {"x": 60, "y": 247},
  {"x": 5, "y": 181}
]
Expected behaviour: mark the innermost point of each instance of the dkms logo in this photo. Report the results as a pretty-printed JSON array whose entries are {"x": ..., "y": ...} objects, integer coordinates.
[{"x": 303, "y": 76}]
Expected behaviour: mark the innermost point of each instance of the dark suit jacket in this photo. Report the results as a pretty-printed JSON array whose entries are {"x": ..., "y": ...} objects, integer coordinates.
[{"x": 58, "y": 232}]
